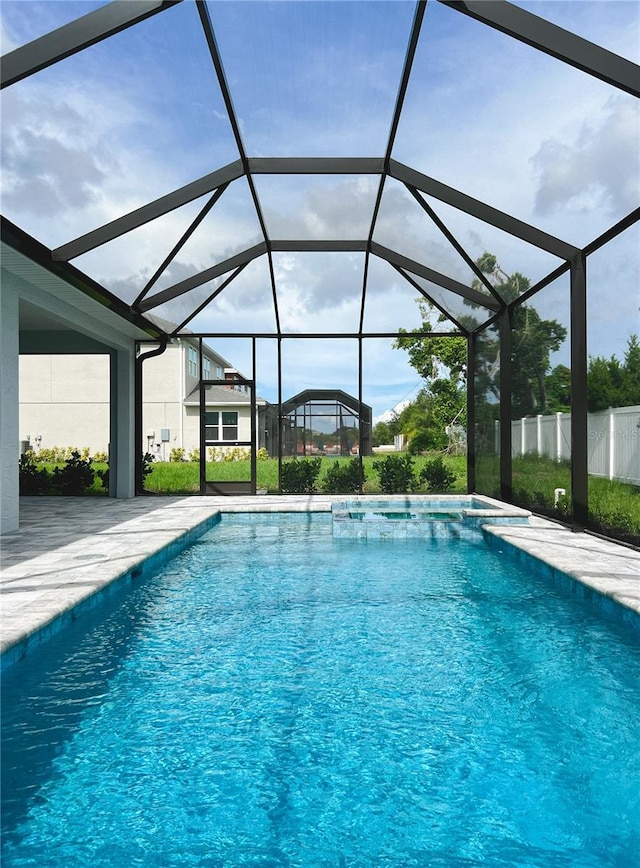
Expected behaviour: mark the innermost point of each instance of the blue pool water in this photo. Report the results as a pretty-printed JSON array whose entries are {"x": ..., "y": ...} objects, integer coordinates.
[{"x": 276, "y": 697}]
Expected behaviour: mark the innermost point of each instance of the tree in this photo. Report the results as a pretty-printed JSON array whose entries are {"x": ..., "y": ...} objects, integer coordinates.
[
  {"x": 532, "y": 340},
  {"x": 632, "y": 372},
  {"x": 426, "y": 354},
  {"x": 384, "y": 432},
  {"x": 442, "y": 364},
  {"x": 611, "y": 383},
  {"x": 558, "y": 386}
]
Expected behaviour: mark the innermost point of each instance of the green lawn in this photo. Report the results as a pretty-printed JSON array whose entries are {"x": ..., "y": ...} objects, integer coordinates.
[
  {"x": 183, "y": 477},
  {"x": 614, "y": 507}
]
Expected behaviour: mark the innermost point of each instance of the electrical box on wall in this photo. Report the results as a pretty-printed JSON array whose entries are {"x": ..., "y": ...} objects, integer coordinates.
[{"x": 164, "y": 435}]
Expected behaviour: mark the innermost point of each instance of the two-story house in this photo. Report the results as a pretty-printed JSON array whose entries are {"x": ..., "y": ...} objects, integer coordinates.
[{"x": 64, "y": 401}]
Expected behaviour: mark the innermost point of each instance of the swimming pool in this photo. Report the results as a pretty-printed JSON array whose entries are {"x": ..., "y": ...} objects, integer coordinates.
[{"x": 279, "y": 697}]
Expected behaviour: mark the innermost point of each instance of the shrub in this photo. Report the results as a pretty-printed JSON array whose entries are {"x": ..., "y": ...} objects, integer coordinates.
[
  {"x": 299, "y": 475},
  {"x": 238, "y": 453},
  {"x": 176, "y": 454},
  {"x": 194, "y": 455},
  {"x": 100, "y": 457},
  {"x": 221, "y": 453},
  {"x": 436, "y": 476},
  {"x": 147, "y": 465},
  {"x": 49, "y": 455},
  {"x": 396, "y": 474},
  {"x": 421, "y": 442},
  {"x": 343, "y": 477},
  {"x": 76, "y": 477},
  {"x": 57, "y": 454},
  {"x": 32, "y": 479},
  {"x": 262, "y": 454},
  {"x": 103, "y": 476}
]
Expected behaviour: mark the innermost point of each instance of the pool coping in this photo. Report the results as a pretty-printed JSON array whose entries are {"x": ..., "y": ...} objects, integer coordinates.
[
  {"x": 605, "y": 573},
  {"x": 43, "y": 594},
  {"x": 71, "y": 552}
]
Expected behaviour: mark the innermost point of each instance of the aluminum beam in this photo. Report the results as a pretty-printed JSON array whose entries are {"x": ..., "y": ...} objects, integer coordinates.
[
  {"x": 207, "y": 27},
  {"x": 352, "y": 336},
  {"x": 412, "y": 45},
  {"x": 423, "y": 292},
  {"x": 613, "y": 232},
  {"x": 454, "y": 243},
  {"x": 180, "y": 244},
  {"x": 553, "y": 40},
  {"x": 319, "y": 246},
  {"x": 149, "y": 212},
  {"x": 506, "y": 385},
  {"x": 195, "y": 280},
  {"x": 482, "y": 211},
  {"x": 76, "y": 36},
  {"x": 579, "y": 388},
  {"x": 471, "y": 413},
  {"x": 208, "y": 300},
  {"x": 442, "y": 280},
  {"x": 316, "y": 165}
]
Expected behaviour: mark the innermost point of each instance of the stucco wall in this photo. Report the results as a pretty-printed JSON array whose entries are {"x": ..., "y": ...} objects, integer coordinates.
[{"x": 65, "y": 400}]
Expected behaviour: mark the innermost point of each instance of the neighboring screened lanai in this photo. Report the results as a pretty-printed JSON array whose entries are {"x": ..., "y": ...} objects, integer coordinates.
[
  {"x": 326, "y": 421},
  {"x": 285, "y": 179}
]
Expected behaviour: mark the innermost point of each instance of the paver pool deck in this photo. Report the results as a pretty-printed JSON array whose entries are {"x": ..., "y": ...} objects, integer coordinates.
[{"x": 69, "y": 551}]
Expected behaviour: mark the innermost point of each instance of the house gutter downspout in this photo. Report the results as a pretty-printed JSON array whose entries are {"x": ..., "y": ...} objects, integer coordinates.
[{"x": 139, "y": 479}]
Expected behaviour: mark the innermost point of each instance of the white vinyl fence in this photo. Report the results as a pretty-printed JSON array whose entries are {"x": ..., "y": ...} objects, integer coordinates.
[{"x": 613, "y": 440}]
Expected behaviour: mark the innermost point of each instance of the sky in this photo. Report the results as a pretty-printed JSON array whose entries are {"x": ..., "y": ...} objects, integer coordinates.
[{"x": 139, "y": 115}]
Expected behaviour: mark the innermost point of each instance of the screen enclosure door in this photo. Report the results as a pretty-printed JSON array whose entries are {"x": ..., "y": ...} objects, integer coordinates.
[{"x": 228, "y": 436}]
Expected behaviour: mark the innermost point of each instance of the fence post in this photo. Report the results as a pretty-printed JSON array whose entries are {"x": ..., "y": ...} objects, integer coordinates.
[
  {"x": 539, "y": 434},
  {"x": 612, "y": 441},
  {"x": 558, "y": 436}
]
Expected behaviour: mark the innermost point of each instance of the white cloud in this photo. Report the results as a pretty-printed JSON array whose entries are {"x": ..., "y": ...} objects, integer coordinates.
[
  {"x": 51, "y": 158},
  {"x": 600, "y": 169},
  {"x": 482, "y": 106},
  {"x": 65, "y": 152},
  {"x": 7, "y": 37},
  {"x": 318, "y": 208}
]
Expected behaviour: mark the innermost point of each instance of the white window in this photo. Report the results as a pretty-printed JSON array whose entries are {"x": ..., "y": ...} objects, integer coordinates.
[
  {"x": 221, "y": 426},
  {"x": 206, "y": 368},
  {"x": 230, "y": 425},
  {"x": 219, "y": 373},
  {"x": 192, "y": 365}
]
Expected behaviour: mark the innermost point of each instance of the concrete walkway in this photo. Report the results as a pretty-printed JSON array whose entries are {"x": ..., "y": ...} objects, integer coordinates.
[{"x": 70, "y": 551}]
